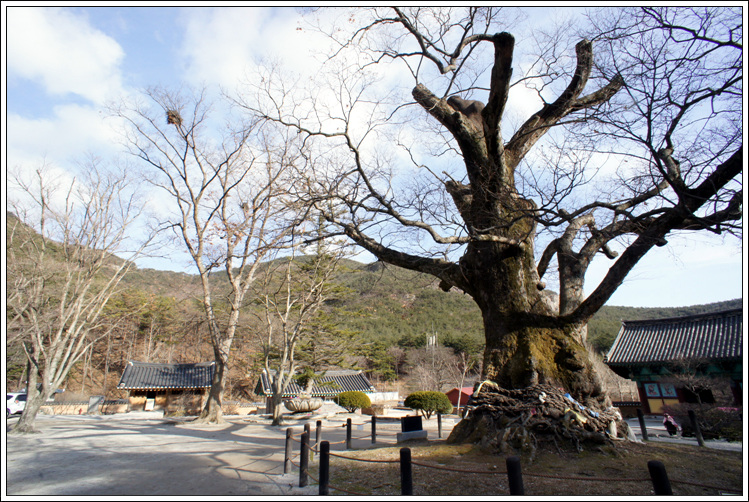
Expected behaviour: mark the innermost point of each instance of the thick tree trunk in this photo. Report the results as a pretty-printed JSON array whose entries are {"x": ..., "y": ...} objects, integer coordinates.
[
  {"x": 277, "y": 409},
  {"x": 522, "y": 351},
  {"x": 212, "y": 412},
  {"x": 27, "y": 422},
  {"x": 526, "y": 343},
  {"x": 35, "y": 399}
]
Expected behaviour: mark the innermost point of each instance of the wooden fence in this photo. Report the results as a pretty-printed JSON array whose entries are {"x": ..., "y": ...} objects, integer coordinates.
[{"x": 657, "y": 475}]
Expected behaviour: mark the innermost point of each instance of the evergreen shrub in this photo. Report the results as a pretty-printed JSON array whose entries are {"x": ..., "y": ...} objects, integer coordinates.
[
  {"x": 428, "y": 402},
  {"x": 352, "y": 400}
]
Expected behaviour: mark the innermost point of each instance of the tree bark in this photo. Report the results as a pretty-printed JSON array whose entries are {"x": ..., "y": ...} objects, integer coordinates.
[{"x": 526, "y": 342}]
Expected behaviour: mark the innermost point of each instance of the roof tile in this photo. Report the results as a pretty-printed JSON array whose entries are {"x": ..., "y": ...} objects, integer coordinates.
[
  {"x": 138, "y": 376},
  {"x": 704, "y": 337},
  {"x": 345, "y": 380}
]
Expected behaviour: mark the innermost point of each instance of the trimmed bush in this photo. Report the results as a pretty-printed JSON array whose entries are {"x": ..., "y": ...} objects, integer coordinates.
[
  {"x": 428, "y": 402},
  {"x": 352, "y": 400}
]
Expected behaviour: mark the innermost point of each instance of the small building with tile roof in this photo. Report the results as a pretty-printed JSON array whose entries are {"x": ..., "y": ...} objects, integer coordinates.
[
  {"x": 168, "y": 387},
  {"x": 327, "y": 386},
  {"x": 660, "y": 355}
]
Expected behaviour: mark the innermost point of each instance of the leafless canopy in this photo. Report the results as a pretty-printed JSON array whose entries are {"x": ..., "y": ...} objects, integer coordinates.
[
  {"x": 660, "y": 129},
  {"x": 62, "y": 268}
]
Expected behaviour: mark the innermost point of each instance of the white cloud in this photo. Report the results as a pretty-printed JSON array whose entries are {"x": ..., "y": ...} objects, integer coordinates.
[
  {"x": 73, "y": 130},
  {"x": 63, "y": 52},
  {"x": 221, "y": 43}
]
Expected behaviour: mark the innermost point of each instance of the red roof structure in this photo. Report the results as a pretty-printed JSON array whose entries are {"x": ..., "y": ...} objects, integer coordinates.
[{"x": 464, "y": 393}]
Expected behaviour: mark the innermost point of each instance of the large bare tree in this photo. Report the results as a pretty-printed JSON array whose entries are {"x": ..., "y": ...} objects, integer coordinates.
[
  {"x": 637, "y": 137},
  {"x": 62, "y": 269},
  {"x": 226, "y": 194}
]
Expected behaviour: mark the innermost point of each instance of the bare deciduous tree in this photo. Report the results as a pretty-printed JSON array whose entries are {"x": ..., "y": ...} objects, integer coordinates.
[
  {"x": 226, "y": 201},
  {"x": 62, "y": 269},
  {"x": 291, "y": 295},
  {"x": 659, "y": 101}
]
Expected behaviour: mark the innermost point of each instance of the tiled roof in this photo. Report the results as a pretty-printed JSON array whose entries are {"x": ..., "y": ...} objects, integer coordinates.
[
  {"x": 346, "y": 380},
  {"x": 715, "y": 336},
  {"x": 166, "y": 376}
]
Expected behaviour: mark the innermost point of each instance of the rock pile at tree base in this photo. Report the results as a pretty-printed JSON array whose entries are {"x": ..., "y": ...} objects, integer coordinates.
[{"x": 511, "y": 420}]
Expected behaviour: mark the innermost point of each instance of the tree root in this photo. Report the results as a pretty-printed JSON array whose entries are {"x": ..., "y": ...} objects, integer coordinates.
[{"x": 520, "y": 419}]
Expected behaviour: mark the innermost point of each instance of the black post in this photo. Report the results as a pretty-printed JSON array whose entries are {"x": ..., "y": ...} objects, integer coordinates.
[
  {"x": 348, "y": 433},
  {"x": 661, "y": 484},
  {"x": 407, "y": 484},
  {"x": 304, "y": 460},
  {"x": 318, "y": 432},
  {"x": 644, "y": 429},
  {"x": 696, "y": 427},
  {"x": 515, "y": 476},
  {"x": 374, "y": 429},
  {"x": 439, "y": 425},
  {"x": 324, "y": 468},
  {"x": 308, "y": 431},
  {"x": 287, "y": 453}
]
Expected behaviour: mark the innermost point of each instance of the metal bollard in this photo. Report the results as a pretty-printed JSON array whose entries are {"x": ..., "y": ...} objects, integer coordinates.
[
  {"x": 644, "y": 429},
  {"x": 439, "y": 425},
  {"x": 304, "y": 460},
  {"x": 407, "y": 484},
  {"x": 324, "y": 468},
  {"x": 374, "y": 429},
  {"x": 696, "y": 427},
  {"x": 287, "y": 452},
  {"x": 661, "y": 484},
  {"x": 515, "y": 476},
  {"x": 348, "y": 433}
]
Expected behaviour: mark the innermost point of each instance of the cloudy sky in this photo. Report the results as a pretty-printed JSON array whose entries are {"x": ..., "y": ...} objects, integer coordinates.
[{"x": 65, "y": 64}]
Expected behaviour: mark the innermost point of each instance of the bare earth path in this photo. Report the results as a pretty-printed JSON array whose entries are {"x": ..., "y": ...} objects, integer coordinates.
[
  {"x": 126, "y": 455},
  {"x": 144, "y": 454}
]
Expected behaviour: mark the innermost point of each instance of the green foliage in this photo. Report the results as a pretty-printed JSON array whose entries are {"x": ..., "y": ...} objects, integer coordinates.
[
  {"x": 352, "y": 400},
  {"x": 307, "y": 378},
  {"x": 372, "y": 310},
  {"x": 428, "y": 402}
]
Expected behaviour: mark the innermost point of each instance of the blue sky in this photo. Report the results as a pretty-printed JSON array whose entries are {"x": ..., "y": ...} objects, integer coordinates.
[{"x": 64, "y": 64}]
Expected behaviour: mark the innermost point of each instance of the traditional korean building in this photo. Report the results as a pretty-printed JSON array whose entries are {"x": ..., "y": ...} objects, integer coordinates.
[
  {"x": 661, "y": 355},
  {"x": 329, "y": 385},
  {"x": 168, "y": 387}
]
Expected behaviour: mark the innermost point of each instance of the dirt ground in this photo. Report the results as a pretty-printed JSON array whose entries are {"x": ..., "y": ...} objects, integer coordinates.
[{"x": 145, "y": 454}]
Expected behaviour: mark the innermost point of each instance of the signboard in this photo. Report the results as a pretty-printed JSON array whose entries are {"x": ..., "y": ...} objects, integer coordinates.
[
  {"x": 652, "y": 390},
  {"x": 668, "y": 390}
]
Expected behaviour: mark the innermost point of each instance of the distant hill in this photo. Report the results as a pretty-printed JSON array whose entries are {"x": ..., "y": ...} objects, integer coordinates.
[{"x": 399, "y": 305}]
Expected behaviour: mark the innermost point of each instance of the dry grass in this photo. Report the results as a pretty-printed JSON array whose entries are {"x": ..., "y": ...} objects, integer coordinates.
[{"x": 595, "y": 473}]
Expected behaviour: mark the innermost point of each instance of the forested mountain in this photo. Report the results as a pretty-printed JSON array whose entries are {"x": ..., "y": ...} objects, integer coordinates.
[
  {"x": 395, "y": 304},
  {"x": 158, "y": 317}
]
